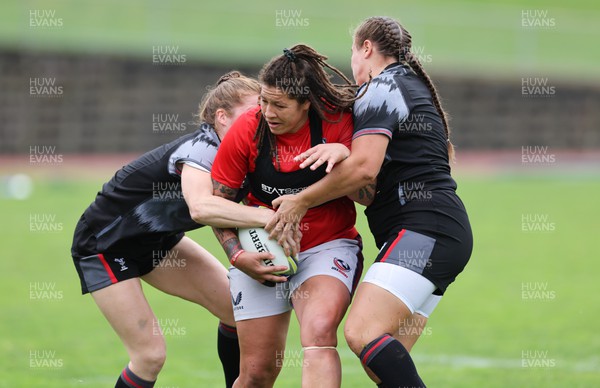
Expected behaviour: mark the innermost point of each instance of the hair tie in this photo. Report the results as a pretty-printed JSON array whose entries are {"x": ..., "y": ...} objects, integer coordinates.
[
  {"x": 228, "y": 76},
  {"x": 289, "y": 54}
]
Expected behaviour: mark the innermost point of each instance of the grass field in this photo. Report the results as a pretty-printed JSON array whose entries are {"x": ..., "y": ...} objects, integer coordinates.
[{"x": 523, "y": 314}]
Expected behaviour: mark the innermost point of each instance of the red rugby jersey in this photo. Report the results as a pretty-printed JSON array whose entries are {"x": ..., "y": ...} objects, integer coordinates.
[{"x": 238, "y": 152}]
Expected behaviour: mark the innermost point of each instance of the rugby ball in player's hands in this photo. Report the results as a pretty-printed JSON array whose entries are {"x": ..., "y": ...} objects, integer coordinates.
[{"x": 257, "y": 240}]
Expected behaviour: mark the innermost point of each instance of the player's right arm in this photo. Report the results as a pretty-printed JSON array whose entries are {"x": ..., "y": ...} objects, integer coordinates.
[
  {"x": 228, "y": 172},
  {"x": 247, "y": 262},
  {"x": 332, "y": 154}
]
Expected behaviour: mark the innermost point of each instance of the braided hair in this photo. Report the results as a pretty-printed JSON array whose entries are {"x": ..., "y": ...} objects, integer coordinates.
[
  {"x": 300, "y": 74},
  {"x": 393, "y": 40}
]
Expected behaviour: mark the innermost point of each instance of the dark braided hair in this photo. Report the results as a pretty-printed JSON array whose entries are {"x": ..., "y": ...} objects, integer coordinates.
[
  {"x": 392, "y": 40},
  {"x": 300, "y": 74}
]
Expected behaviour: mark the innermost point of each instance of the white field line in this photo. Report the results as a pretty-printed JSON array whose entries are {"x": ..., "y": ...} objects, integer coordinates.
[{"x": 458, "y": 361}]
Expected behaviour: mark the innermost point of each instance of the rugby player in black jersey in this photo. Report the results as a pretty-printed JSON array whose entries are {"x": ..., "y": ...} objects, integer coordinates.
[
  {"x": 420, "y": 225},
  {"x": 135, "y": 228}
]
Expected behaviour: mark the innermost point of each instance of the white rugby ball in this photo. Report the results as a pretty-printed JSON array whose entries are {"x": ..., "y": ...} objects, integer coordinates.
[{"x": 257, "y": 240}]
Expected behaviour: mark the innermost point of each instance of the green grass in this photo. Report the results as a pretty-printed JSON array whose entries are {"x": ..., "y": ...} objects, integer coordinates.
[
  {"x": 475, "y": 338},
  {"x": 465, "y": 36}
]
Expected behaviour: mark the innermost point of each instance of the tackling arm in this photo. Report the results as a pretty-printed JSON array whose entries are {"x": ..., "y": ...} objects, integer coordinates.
[
  {"x": 357, "y": 172},
  {"x": 220, "y": 211}
]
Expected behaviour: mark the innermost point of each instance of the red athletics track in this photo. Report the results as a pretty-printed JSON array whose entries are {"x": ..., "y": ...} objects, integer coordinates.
[{"x": 478, "y": 163}]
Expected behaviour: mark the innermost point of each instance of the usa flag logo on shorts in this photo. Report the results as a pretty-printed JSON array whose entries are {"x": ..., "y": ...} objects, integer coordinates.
[{"x": 341, "y": 264}]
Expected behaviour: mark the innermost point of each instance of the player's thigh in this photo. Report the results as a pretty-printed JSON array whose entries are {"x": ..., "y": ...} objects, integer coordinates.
[
  {"x": 128, "y": 312},
  {"x": 191, "y": 272},
  {"x": 262, "y": 343},
  {"x": 321, "y": 289},
  {"x": 410, "y": 330},
  {"x": 374, "y": 312},
  {"x": 262, "y": 317},
  {"x": 386, "y": 302},
  {"x": 320, "y": 304}
]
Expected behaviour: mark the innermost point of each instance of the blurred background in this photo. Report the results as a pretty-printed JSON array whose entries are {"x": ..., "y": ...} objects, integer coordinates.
[
  {"x": 93, "y": 77},
  {"x": 86, "y": 86}
]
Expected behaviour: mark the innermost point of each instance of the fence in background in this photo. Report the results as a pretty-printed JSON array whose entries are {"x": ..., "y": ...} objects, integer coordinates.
[{"x": 96, "y": 104}]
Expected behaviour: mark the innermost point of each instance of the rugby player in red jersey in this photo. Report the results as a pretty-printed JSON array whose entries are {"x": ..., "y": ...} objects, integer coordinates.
[{"x": 300, "y": 108}]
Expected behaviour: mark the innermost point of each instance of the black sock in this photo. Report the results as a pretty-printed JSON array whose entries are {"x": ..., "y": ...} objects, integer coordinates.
[
  {"x": 229, "y": 353},
  {"x": 390, "y": 361},
  {"x": 128, "y": 379}
]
